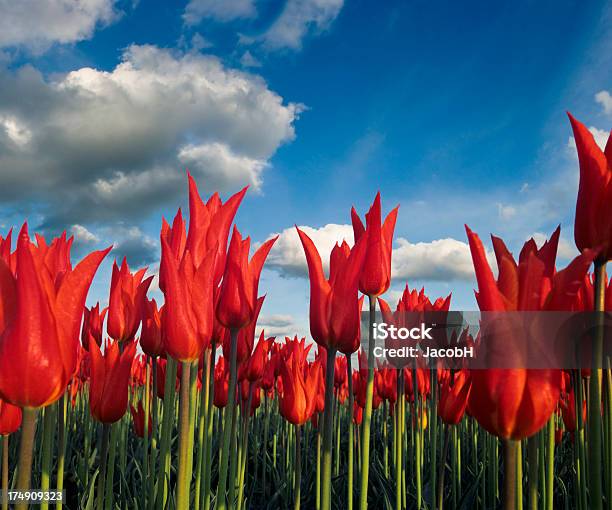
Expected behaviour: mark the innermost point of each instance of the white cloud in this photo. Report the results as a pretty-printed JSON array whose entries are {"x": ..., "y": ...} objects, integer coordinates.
[
  {"x": 604, "y": 98},
  {"x": 132, "y": 243},
  {"x": 101, "y": 145},
  {"x": 506, "y": 211},
  {"x": 82, "y": 235},
  {"x": 442, "y": 259},
  {"x": 37, "y": 24},
  {"x": 298, "y": 18},
  {"x": 287, "y": 255},
  {"x": 221, "y": 10},
  {"x": 278, "y": 325},
  {"x": 211, "y": 160}
]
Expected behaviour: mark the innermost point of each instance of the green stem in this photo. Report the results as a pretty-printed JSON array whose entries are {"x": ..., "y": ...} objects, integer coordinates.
[
  {"x": 209, "y": 430},
  {"x": 351, "y": 438},
  {"x": 367, "y": 412},
  {"x": 49, "y": 417},
  {"x": 153, "y": 457},
  {"x": 163, "y": 480},
  {"x": 550, "y": 463},
  {"x": 298, "y": 468},
  {"x": 594, "y": 422},
  {"x": 26, "y": 447},
  {"x": 532, "y": 458},
  {"x": 182, "y": 492},
  {"x": 318, "y": 475},
  {"x": 510, "y": 457},
  {"x": 442, "y": 467},
  {"x": 102, "y": 464},
  {"x": 145, "y": 450},
  {"x": 229, "y": 418},
  {"x": 116, "y": 429},
  {"x": 202, "y": 427},
  {"x": 61, "y": 446},
  {"x": 327, "y": 431}
]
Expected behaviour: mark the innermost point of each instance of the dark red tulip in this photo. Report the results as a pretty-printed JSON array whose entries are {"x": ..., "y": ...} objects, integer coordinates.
[
  {"x": 93, "y": 321},
  {"x": 110, "y": 374},
  {"x": 138, "y": 419},
  {"x": 10, "y": 418},
  {"x": 334, "y": 302},
  {"x": 151, "y": 340},
  {"x": 238, "y": 295},
  {"x": 41, "y": 308},
  {"x": 515, "y": 403},
  {"x": 454, "y": 395},
  {"x": 221, "y": 386},
  {"x": 376, "y": 272},
  {"x": 593, "y": 223},
  {"x": 127, "y": 296},
  {"x": 568, "y": 411}
]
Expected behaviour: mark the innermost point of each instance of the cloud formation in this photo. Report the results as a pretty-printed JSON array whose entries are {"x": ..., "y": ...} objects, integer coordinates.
[
  {"x": 37, "y": 24},
  {"x": 604, "y": 98},
  {"x": 98, "y": 146},
  {"x": 221, "y": 10}
]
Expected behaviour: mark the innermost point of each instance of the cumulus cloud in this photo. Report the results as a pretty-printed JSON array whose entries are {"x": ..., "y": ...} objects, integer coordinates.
[
  {"x": 278, "y": 325},
  {"x": 37, "y": 24},
  {"x": 83, "y": 236},
  {"x": 100, "y": 145},
  {"x": 604, "y": 98},
  {"x": 221, "y": 10},
  {"x": 298, "y": 18},
  {"x": 441, "y": 260},
  {"x": 287, "y": 255}
]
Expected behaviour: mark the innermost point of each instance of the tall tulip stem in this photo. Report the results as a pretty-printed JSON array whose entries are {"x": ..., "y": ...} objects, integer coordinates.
[
  {"x": 510, "y": 458},
  {"x": 328, "y": 420},
  {"x": 228, "y": 419},
  {"x": 367, "y": 412},
  {"x": 351, "y": 441},
  {"x": 298, "y": 468},
  {"x": 26, "y": 447},
  {"x": 182, "y": 491},
  {"x": 594, "y": 421},
  {"x": 102, "y": 469},
  {"x": 49, "y": 417}
]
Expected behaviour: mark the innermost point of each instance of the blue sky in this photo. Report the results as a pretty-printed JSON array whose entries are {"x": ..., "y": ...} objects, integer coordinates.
[{"x": 455, "y": 111}]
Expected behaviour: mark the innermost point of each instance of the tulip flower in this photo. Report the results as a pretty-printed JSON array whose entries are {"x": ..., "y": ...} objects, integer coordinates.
[
  {"x": 138, "y": 419},
  {"x": 41, "y": 308},
  {"x": 151, "y": 334},
  {"x": 516, "y": 403},
  {"x": 238, "y": 295},
  {"x": 127, "y": 295},
  {"x": 334, "y": 302},
  {"x": 256, "y": 364},
  {"x": 10, "y": 418},
  {"x": 221, "y": 387},
  {"x": 454, "y": 395},
  {"x": 93, "y": 321},
  {"x": 300, "y": 385},
  {"x": 110, "y": 373},
  {"x": 593, "y": 224}
]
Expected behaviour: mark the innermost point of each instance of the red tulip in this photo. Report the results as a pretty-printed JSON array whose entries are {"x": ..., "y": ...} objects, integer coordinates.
[
  {"x": 300, "y": 385},
  {"x": 238, "y": 295},
  {"x": 151, "y": 334},
  {"x": 334, "y": 302},
  {"x": 246, "y": 337},
  {"x": 568, "y": 411},
  {"x": 127, "y": 295},
  {"x": 110, "y": 374},
  {"x": 138, "y": 418},
  {"x": 221, "y": 386},
  {"x": 93, "y": 321},
  {"x": 515, "y": 403},
  {"x": 41, "y": 308},
  {"x": 257, "y": 362},
  {"x": 454, "y": 396},
  {"x": 376, "y": 272},
  {"x": 593, "y": 224},
  {"x": 10, "y": 418}
]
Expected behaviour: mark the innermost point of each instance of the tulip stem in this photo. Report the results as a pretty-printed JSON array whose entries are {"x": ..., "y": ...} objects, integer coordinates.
[
  {"x": 209, "y": 428},
  {"x": 5, "y": 470},
  {"x": 202, "y": 427},
  {"x": 26, "y": 446},
  {"x": 532, "y": 458},
  {"x": 228, "y": 419},
  {"x": 351, "y": 441},
  {"x": 182, "y": 492},
  {"x": 367, "y": 412},
  {"x": 47, "y": 450},
  {"x": 298, "y": 468},
  {"x": 510, "y": 458},
  {"x": 61, "y": 446},
  {"x": 163, "y": 481},
  {"x": 550, "y": 463},
  {"x": 594, "y": 421},
  {"x": 153, "y": 458},
  {"x": 442, "y": 467},
  {"x": 103, "y": 457},
  {"x": 328, "y": 419}
]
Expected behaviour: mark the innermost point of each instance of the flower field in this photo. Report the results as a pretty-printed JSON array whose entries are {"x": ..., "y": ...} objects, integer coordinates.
[{"x": 188, "y": 404}]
